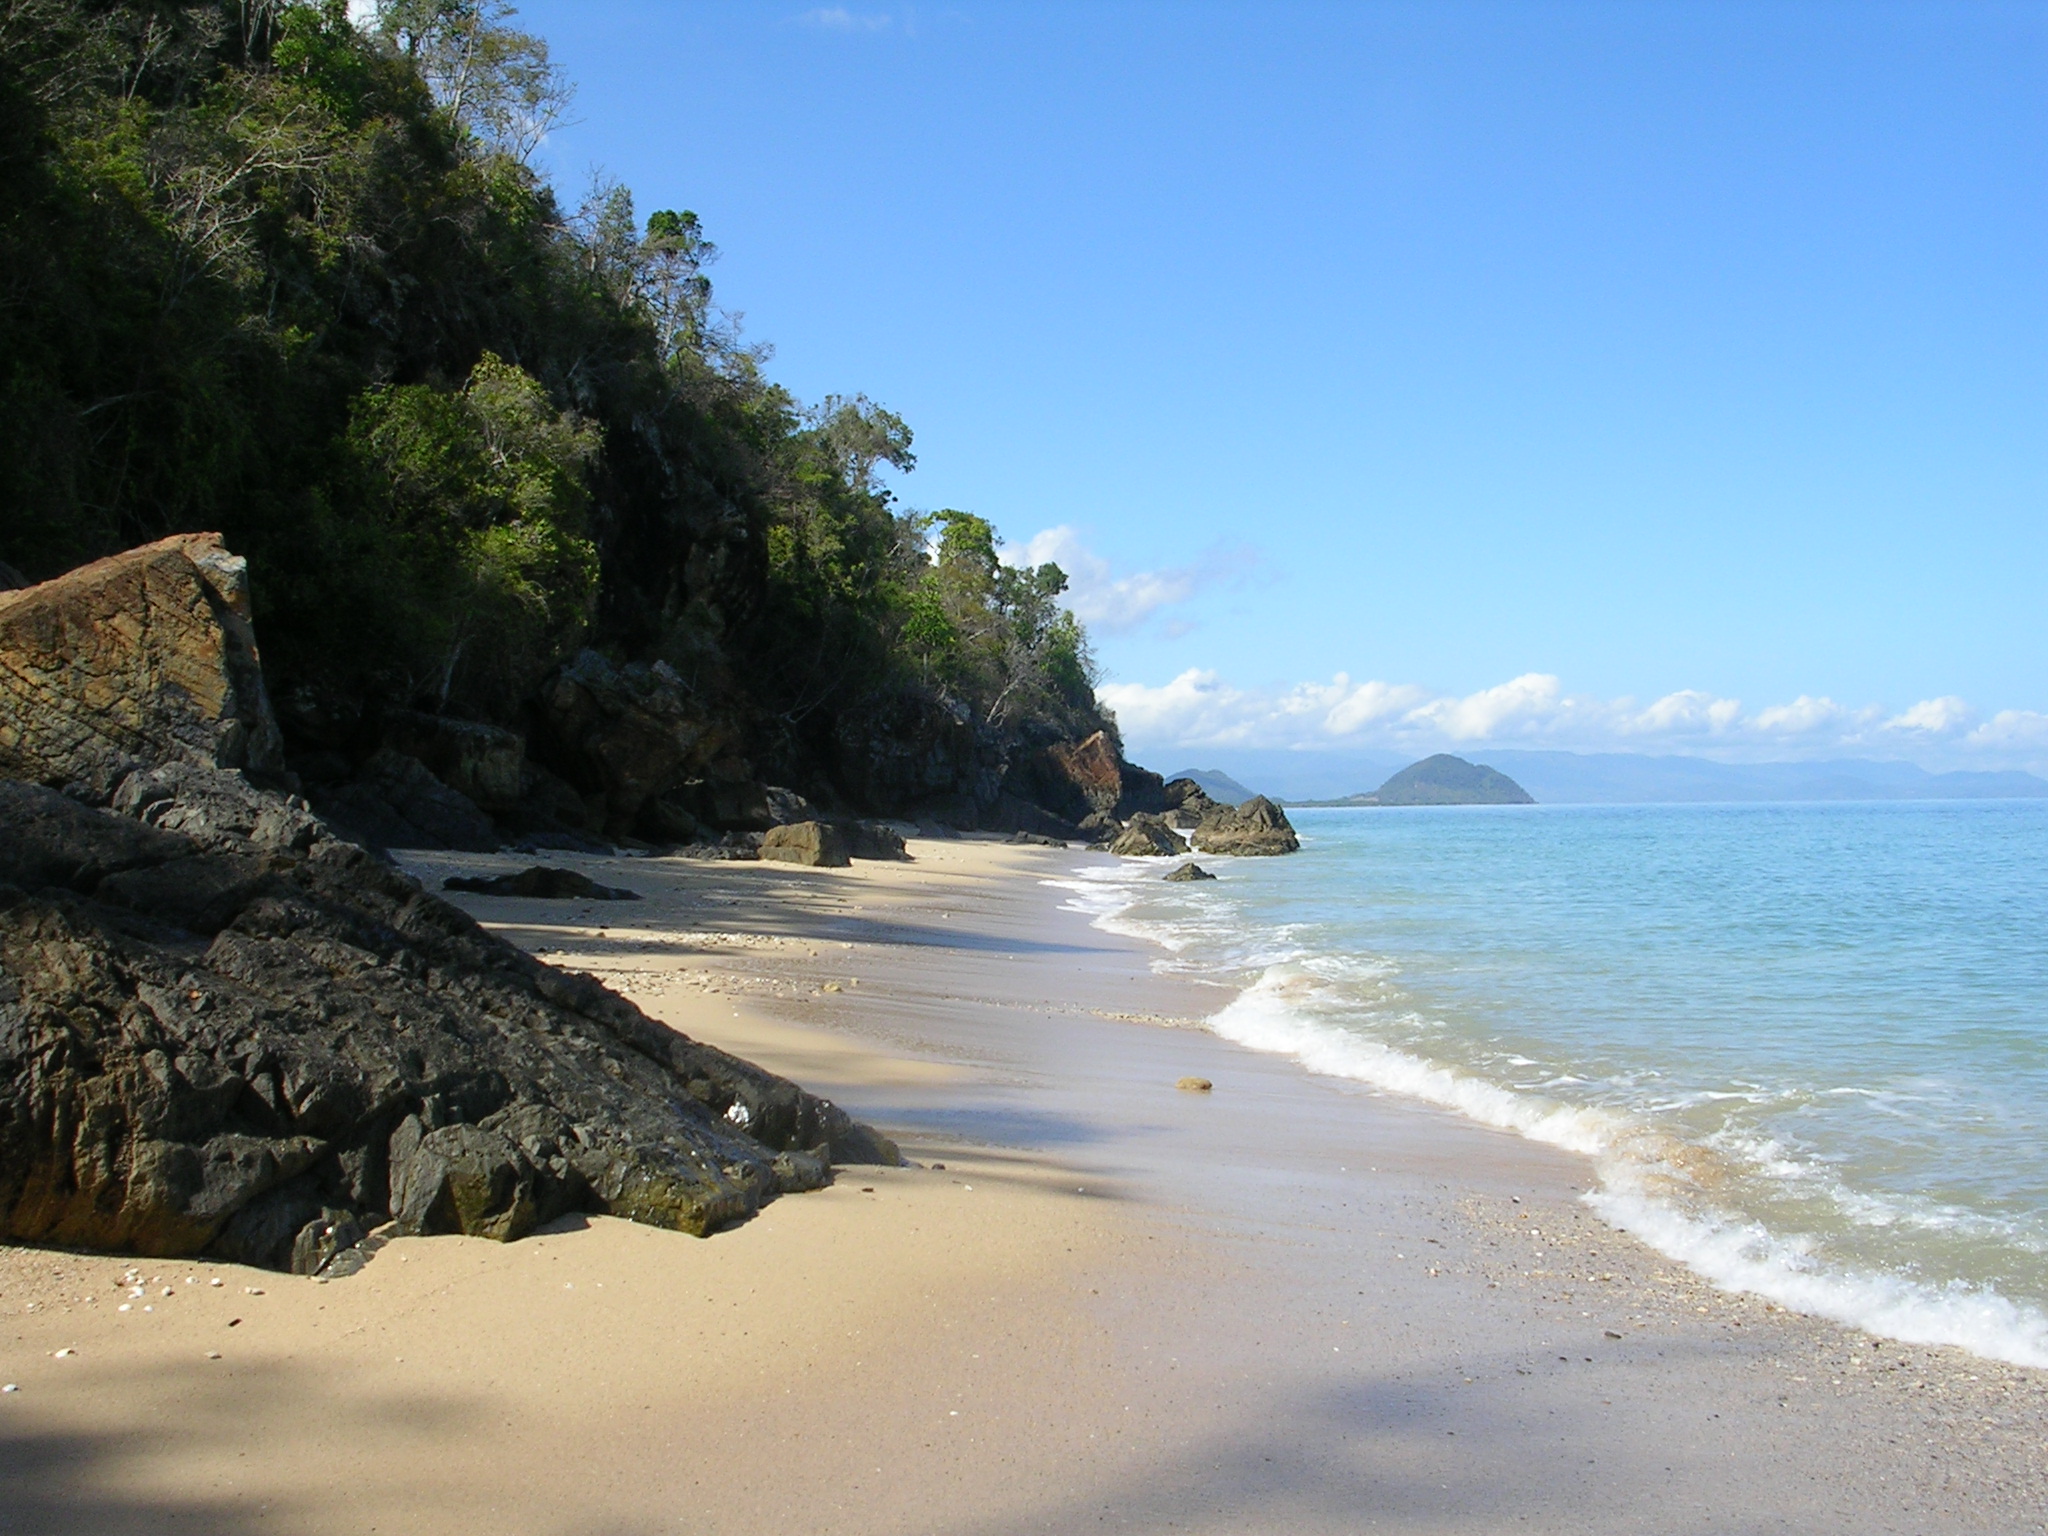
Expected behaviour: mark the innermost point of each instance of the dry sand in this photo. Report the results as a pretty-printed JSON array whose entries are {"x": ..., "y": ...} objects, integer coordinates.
[{"x": 1287, "y": 1305}]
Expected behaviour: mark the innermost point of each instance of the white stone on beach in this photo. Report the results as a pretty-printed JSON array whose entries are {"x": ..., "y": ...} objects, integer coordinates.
[{"x": 10, "y": 1387}]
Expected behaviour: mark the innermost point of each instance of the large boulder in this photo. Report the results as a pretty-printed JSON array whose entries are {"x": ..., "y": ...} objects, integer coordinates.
[
  {"x": 140, "y": 660},
  {"x": 237, "y": 1044},
  {"x": 1146, "y": 836},
  {"x": 817, "y": 843},
  {"x": 1256, "y": 827}
]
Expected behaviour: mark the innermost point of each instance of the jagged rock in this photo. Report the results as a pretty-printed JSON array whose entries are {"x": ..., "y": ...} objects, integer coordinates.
[
  {"x": 1100, "y": 826},
  {"x": 1179, "y": 793},
  {"x": 819, "y": 843},
  {"x": 137, "y": 661},
  {"x": 541, "y": 882},
  {"x": 625, "y": 736},
  {"x": 873, "y": 840},
  {"x": 255, "y": 1037},
  {"x": 1146, "y": 836},
  {"x": 1190, "y": 872},
  {"x": 481, "y": 762},
  {"x": 395, "y": 801},
  {"x": 786, "y": 806},
  {"x": 1256, "y": 827},
  {"x": 323, "y": 1240},
  {"x": 220, "y": 810}
]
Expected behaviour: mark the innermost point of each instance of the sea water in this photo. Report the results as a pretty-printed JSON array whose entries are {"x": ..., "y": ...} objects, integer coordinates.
[{"x": 1805, "y": 1046}]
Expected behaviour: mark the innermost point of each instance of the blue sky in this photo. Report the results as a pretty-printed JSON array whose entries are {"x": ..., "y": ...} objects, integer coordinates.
[{"x": 1644, "y": 377}]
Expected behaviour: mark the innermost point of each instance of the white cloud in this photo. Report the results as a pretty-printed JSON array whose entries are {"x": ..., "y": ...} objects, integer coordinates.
[
  {"x": 2023, "y": 728},
  {"x": 1936, "y": 717},
  {"x": 1687, "y": 712},
  {"x": 1199, "y": 709},
  {"x": 1508, "y": 709},
  {"x": 1115, "y": 604}
]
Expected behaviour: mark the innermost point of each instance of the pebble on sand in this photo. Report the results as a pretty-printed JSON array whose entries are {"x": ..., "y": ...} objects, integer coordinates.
[{"x": 1194, "y": 1085}]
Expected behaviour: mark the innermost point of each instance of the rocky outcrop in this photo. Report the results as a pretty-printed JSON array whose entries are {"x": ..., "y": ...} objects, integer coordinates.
[
  {"x": 645, "y": 755},
  {"x": 136, "y": 661},
  {"x": 1145, "y": 836},
  {"x": 482, "y": 763},
  {"x": 395, "y": 801},
  {"x": 1079, "y": 779},
  {"x": 909, "y": 755},
  {"x": 817, "y": 843},
  {"x": 874, "y": 840},
  {"x": 1256, "y": 827},
  {"x": 244, "y": 1035}
]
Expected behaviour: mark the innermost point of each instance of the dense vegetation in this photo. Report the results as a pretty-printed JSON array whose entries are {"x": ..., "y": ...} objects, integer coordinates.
[{"x": 270, "y": 271}]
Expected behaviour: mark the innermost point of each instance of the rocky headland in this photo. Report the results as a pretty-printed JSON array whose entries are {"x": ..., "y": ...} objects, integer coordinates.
[{"x": 227, "y": 1028}]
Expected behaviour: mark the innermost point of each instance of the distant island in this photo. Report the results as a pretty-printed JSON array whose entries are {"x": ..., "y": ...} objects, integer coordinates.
[
  {"x": 1441, "y": 780},
  {"x": 1216, "y": 784}
]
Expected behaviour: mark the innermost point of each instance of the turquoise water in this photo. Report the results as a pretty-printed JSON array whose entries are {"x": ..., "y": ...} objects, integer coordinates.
[{"x": 1805, "y": 1045}]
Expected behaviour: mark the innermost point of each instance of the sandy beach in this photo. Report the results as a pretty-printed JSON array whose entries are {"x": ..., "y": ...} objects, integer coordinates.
[{"x": 1093, "y": 1300}]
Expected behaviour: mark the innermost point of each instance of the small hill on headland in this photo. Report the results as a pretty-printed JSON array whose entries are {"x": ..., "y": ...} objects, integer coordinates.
[
  {"x": 1447, "y": 780},
  {"x": 1442, "y": 780}
]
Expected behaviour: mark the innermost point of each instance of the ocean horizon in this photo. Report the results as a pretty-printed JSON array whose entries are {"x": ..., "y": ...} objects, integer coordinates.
[{"x": 1802, "y": 1044}]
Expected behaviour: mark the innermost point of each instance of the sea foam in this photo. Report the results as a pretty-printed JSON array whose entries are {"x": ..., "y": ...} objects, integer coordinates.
[{"x": 1316, "y": 1009}]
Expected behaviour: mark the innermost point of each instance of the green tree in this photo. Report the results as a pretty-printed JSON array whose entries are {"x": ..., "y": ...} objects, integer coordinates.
[{"x": 483, "y": 487}]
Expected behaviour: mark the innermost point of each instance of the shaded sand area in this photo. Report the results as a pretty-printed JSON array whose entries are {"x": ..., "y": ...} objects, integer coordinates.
[{"x": 1288, "y": 1305}]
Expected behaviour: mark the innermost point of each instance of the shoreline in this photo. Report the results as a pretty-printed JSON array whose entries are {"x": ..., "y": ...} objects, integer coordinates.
[{"x": 1291, "y": 1303}]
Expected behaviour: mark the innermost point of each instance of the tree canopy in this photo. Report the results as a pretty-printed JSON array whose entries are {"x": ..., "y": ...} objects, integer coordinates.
[{"x": 292, "y": 276}]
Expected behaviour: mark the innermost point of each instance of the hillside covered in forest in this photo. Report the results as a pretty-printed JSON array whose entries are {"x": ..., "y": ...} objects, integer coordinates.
[{"x": 500, "y": 465}]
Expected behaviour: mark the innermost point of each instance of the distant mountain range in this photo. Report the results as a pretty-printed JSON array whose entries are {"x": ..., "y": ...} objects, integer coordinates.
[{"x": 1612, "y": 778}]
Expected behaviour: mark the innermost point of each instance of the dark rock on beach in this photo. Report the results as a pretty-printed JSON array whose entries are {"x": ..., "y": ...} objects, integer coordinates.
[
  {"x": 215, "y": 1038},
  {"x": 542, "y": 883},
  {"x": 1190, "y": 872},
  {"x": 396, "y": 801}
]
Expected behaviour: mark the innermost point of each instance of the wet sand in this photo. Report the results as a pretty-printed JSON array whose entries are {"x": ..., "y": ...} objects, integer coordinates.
[{"x": 1290, "y": 1304}]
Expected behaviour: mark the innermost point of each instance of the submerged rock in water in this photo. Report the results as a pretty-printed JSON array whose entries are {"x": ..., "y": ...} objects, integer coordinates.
[
  {"x": 540, "y": 881},
  {"x": 215, "y": 1038},
  {"x": 1256, "y": 827},
  {"x": 1190, "y": 872}
]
